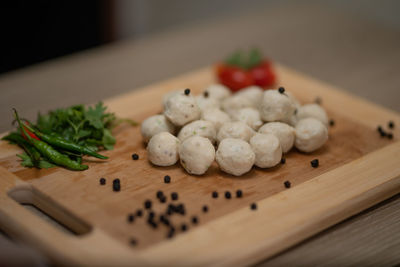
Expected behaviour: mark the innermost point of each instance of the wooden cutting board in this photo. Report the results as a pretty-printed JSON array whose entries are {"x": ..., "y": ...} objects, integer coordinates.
[{"x": 357, "y": 169}]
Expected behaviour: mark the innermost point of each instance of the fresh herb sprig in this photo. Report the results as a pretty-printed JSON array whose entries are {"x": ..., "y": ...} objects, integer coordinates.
[{"x": 88, "y": 127}]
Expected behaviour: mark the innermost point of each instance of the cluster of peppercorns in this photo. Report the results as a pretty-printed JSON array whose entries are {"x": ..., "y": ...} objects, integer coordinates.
[
  {"x": 384, "y": 133},
  {"x": 164, "y": 218},
  {"x": 154, "y": 220}
]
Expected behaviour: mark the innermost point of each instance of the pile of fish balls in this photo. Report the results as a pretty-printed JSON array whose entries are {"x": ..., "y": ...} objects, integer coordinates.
[{"x": 251, "y": 127}]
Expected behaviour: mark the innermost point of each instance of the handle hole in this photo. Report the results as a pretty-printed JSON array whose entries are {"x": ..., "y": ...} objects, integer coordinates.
[{"x": 47, "y": 209}]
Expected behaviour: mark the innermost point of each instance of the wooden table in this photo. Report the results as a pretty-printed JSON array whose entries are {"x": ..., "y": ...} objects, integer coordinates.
[{"x": 351, "y": 53}]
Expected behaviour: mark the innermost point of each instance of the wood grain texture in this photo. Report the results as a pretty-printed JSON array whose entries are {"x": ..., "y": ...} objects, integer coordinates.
[
  {"x": 287, "y": 216},
  {"x": 320, "y": 197},
  {"x": 353, "y": 242}
]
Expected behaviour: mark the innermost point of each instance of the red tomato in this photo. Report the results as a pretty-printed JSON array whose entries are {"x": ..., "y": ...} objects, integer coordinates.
[
  {"x": 263, "y": 75},
  {"x": 234, "y": 77}
]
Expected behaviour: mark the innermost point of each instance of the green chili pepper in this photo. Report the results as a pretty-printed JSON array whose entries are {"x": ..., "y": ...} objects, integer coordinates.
[
  {"x": 29, "y": 149},
  {"x": 60, "y": 142},
  {"x": 72, "y": 155},
  {"x": 49, "y": 152}
]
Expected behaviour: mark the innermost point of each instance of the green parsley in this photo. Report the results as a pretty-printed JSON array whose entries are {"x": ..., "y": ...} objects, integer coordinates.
[
  {"x": 86, "y": 126},
  {"x": 89, "y": 127},
  {"x": 27, "y": 162}
]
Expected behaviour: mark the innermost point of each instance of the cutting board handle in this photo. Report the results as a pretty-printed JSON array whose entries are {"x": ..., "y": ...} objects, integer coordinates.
[
  {"x": 22, "y": 224},
  {"x": 28, "y": 195},
  {"x": 61, "y": 247}
]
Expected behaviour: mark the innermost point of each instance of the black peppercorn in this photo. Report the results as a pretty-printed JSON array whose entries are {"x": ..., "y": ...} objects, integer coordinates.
[
  {"x": 135, "y": 156},
  {"x": 167, "y": 179},
  {"x": 139, "y": 213},
  {"x": 130, "y": 218},
  {"x": 151, "y": 214},
  {"x": 287, "y": 184},
  {"x": 239, "y": 193},
  {"x": 180, "y": 209},
  {"x": 102, "y": 181},
  {"x": 163, "y": 199},
  {"x": 133, "y": 242},
  {"x": 283, "y": 160},
  {"x": 331, "y": 122},
  {"x": 381, "y": 131},
  {"x": 214, "y": 194},
  {"x": 391, "y": 124},
  {"x": 152, "y": 223},
  {"x": 170, "y": 209},
  {"x": 164, "y": 220},
  {"x": 195, "y": 220},
  {"x": 116, "y": 185},
  {"x": 187, "y": 91},
  {"x": 171, "y": 232},
  {"x": 183, "y": 227},
  {"x": 227, "y": 195},
  {"x": 205, "y": 94},
  {"x": 205, "y": 208},
  {"x": 253, "y": 206},
  {"x": 159, "y": 194},
  {"x": 318, "y": 100},
  {"x": 147, "y": 204},
  {"x": 314, "y": 163},
  {"x": 174, "y": 196},
  {"x": 281, "y": 90}
]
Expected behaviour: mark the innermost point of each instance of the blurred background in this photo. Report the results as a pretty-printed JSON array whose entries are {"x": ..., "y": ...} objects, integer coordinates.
[
  {"x": 60, "y": 53},
  {"x": 34, "y": 31}
]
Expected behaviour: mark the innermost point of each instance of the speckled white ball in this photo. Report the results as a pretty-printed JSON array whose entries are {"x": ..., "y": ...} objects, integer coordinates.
[
  {"x": 181, "y": 109},
  {"x": 312, "y": 111},
  {"x": 284, "y": 132},
  {"x": 196, "y": 154},
  {"x": 206, "y": 103},
  {"x": 292, "y": 119},
  {"x": 235, "y": 156},
  {"x": 267, "y": 149},
  {"x": 162, "y": 149},
  {"x": 235, "y": 129},
  {"x": 154, "y": 125},
  {"x": 218, "y": 91},
  {"x": 276, "y": 106},
  {"x": 233, "y": 103},
  {"x": 253, "y": 93},
  {"x": 171, "y": 93},
  {"x": 292, "y": 98},
  {"x": 311, "y": 134},
  {"x": 200, "y": 127},
  {"x": 250, "y": 116},
  {"x": 216, "y": 116}
]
